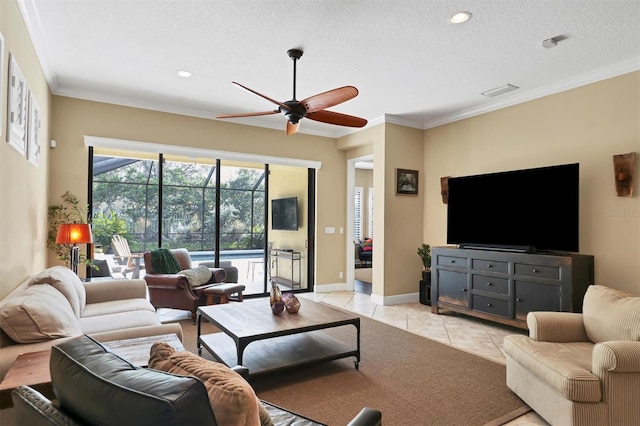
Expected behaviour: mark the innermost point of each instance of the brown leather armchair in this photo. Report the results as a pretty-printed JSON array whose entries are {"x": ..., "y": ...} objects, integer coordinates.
[{"x": 173, "y": 290}]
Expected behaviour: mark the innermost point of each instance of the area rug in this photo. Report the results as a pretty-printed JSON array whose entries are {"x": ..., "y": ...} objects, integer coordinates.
[{"x": 411, "y": 379}]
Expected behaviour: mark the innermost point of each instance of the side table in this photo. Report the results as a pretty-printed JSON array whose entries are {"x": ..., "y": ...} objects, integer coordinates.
[{"x": 31, "y": 369}]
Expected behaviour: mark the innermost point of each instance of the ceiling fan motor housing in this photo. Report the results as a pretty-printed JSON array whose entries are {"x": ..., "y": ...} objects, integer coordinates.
[{"x": 296, "y": 112}]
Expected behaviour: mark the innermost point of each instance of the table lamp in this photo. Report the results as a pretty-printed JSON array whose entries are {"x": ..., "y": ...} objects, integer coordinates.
[{"x": 74, "y": 234}]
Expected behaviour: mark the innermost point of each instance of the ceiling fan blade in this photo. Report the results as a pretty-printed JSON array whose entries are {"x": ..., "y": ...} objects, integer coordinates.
[
  {"x": 247, "y": 114},
  {"x": 337, "y": 118},
  {"x": 328, "y": 99},
  {"x": 292, "y": 128},
  {"x": 286, "y": 107}
]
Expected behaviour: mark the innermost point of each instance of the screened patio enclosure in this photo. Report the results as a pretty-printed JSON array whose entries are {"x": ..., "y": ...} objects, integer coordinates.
[{"x": 217, "y": 210}]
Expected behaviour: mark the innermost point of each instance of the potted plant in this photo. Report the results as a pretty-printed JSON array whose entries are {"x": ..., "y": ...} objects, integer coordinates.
[{"x": 425, "y": 255}]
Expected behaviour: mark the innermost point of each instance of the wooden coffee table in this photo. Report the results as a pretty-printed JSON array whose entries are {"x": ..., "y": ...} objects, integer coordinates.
[
  {"x": 136, "y": 350},
  {"x": 255, "y": 338}
]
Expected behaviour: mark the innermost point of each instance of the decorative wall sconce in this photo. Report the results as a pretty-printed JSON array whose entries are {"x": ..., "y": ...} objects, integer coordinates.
[
  {"x": 624, "y": 171},
  {"x": 444, "y": 189}
]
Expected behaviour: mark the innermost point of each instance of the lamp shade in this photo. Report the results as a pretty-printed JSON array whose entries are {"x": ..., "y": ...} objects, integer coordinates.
[{"x": 74, "y": 233}]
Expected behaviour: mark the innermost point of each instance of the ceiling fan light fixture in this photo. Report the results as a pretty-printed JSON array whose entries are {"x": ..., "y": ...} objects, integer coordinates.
[
  {"x": 460, "y": 17},
  {"x": 184, "y": 73}
]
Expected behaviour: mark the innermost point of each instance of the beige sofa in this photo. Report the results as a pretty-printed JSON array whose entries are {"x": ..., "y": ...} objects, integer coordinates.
[
  {"x": 581, "y": 368},
  {"x": 55, "y": 305}
]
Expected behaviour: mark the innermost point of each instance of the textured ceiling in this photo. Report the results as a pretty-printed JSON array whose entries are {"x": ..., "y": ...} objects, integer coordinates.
[{"x": 409, "y": 63}]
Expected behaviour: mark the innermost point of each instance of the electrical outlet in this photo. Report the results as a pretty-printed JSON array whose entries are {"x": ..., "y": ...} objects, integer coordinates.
[{"x": 341, "y": 275}]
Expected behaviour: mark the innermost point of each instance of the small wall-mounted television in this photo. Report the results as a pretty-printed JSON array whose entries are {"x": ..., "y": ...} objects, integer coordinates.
[
  {"x": 532, "y": 210},
  {"x": 284, "y": 214}
]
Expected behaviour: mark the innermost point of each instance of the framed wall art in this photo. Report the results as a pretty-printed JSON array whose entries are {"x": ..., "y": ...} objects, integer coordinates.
[
  {"x": 406, "y": 181},
  {"x": 17, "y": 112},
  {"x": 2, "y": 68},
  {"x": 33, "y": 131}
]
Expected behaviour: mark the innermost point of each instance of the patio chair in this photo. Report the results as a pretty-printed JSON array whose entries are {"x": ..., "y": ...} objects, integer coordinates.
[{"x": 129, "y": 261}]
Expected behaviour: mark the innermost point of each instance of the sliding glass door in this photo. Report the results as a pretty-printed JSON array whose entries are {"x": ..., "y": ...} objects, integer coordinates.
[{"x": 217, "y": 209}]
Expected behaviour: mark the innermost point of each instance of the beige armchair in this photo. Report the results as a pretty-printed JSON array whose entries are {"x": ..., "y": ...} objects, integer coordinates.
[{"x": 581, "y": 368}]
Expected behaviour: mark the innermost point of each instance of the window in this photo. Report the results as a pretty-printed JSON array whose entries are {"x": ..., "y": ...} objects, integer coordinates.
[
  {"x": 357, "y": 214},
  {"x": 370, "y": 213}
]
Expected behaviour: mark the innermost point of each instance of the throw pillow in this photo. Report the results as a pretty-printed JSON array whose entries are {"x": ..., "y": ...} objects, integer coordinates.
[
  {"x": 232, "y": 398},
  {"x": 38, "y": 313},
  {"x": 197, "y": 276},
  {"x": 610, "y": 314},
  {"x": 367, "y": 245},
  {"x": 66, "y": 282}
]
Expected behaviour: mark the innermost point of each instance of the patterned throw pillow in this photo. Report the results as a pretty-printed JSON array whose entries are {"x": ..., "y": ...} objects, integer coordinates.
[
  {"x": 197, "y": 276},
  {"x": 232, "y": 398},
  {"x": 367, "y": 245}
]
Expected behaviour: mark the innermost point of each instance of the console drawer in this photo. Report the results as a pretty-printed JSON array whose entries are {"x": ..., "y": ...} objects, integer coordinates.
[
  {"x": 490, "y": 305},
  {"x": 490, "y": 284},
  {"x": 490, "y": 265},
  {"x": 460, "y": 262},
  {"x": 551, "y": 272}
]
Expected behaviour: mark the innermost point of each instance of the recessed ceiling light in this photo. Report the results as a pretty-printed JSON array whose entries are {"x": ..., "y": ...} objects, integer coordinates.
[
  {"x": 184, "y": 73},
  {"x": 460, "y": 17}
]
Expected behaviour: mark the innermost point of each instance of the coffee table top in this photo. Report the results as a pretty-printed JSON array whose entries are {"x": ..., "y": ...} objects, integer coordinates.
[
  {"x": 136, "y": 350},
  {"x": 254, "y": 318}
]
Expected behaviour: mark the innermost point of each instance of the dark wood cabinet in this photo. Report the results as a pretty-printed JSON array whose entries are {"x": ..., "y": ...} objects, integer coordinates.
[{"x": 505, "y": 286}]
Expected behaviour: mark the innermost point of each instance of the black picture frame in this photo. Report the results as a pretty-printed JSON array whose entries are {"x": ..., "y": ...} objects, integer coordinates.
[{"x": 406, "y": 181}]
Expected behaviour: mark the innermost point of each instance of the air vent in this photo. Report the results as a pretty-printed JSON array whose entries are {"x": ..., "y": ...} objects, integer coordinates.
[{"x": 500, "y": 91}]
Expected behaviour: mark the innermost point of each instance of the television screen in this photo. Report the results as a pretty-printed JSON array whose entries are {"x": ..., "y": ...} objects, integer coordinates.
[
  {"x": 284, "y": 214},
  {"x": 525, "y": 210}
]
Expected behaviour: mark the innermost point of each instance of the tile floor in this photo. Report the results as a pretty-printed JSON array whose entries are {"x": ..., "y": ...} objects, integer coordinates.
[{"x": 473, "y": 335}]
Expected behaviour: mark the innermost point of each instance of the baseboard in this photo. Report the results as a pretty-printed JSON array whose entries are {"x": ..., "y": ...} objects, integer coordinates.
[
  {"x": 326, "y": 288},
  {"x": 396, "y": 299},
  {"x": 377, "y": 299}
]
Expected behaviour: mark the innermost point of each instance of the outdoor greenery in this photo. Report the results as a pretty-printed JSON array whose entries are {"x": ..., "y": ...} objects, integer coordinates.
[
  {"x": 105, "y": 225},
  {"x": 126, "y": 201}
]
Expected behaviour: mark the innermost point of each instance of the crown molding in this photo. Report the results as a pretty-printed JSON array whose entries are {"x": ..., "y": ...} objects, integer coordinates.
[{"x": 550, "y": 89}]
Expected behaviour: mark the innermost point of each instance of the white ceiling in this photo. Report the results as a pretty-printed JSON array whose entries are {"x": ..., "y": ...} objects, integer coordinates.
[{"x": 409, "y": 63}]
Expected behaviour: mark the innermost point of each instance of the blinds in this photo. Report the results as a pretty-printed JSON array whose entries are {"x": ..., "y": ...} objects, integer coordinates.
[{"x": 357, "y": 213}]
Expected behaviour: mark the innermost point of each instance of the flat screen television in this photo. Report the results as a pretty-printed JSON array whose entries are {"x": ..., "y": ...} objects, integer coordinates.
[
  {"x": 284, "y": 214},
  {"x": 532, "y": 210}
]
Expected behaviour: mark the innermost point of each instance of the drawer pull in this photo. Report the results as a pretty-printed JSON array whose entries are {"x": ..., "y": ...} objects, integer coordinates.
[
  {"x": 489, "y": 283},
  {"x": 464, "y": 289},
  {"x": 452, "y": 261},
  {"x": 489, "y": 265},
  {"x": 535, "y": 271},
  {"x": 489, "y": 305},
  {"x": 518, "y": 300}
]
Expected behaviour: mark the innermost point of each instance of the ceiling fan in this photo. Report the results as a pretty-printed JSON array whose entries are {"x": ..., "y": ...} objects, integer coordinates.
[{"x": 313, "y": 107}]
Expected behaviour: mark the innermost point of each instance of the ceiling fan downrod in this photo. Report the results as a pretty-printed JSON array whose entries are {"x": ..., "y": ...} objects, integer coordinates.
[{"x": 294, "y": 54}]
